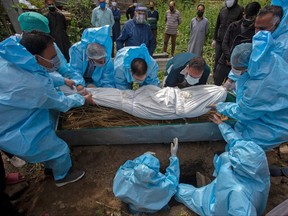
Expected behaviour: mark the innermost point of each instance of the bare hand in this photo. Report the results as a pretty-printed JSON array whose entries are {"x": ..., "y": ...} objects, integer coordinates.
[
  {"x": 69, "y": 83},
  {"x": 215, "y": 118},
  {"x": 89, "y": 99},
  {"x": 81, "y": 90},
  {"x": 212, "y": 107}
]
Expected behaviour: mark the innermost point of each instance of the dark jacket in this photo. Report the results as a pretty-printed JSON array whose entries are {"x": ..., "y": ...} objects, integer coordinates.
[
  {"x": 130, "y": 12},
  {"x": 58, "y": 27},
  {"x": 179, "y": 61},
  {"x": 134, "y": 34},
  {"x": 234, "y": 37},
  {"x": 116, "y": 27},
  {"x": 152, "y": 18},
  {"x": 225, "y": 17}
]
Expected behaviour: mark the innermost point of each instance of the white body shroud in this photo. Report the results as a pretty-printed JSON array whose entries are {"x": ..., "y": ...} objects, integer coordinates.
[{"x": 152, "y": 102}]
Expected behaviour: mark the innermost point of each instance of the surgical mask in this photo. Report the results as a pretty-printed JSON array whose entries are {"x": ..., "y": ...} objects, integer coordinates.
[
  {"x": 135, "y": 4},
  {"x": 236, "y": 72},
  {"x": 140, "y": 82},
  {"x": 229, "y": 3},
  {"x": 96, "y": 64},
  {"x": 140, "y": 18},
  {"x": 102, "y": 5},
  {"x": 191, "y": 80},
  {"x": 200, "y": 13},
  {"x": 114, "y": 4},
  {"x": 52, "y": 8},
  {"x": 55, "y": 62},
  {"x": 247, "y": 22}
]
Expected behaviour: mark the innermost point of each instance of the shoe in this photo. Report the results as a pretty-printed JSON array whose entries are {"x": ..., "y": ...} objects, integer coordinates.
[
  {"x": 72, "y": 176},
  {"x": 17, "y": 162},
  {"x": 48, "y": 172},
  {"x": 278, "y": 171}
]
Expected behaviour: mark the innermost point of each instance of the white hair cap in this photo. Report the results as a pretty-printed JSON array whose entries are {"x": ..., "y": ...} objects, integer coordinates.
[{"x": 95, "y": 51}]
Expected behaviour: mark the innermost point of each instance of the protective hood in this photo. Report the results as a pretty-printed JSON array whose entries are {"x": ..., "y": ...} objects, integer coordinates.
[
  {"x": 136, "y": 52},
  {"x": 99, "y": 35},
  {"x": 249, "y": 160},
  {"x": 283, "y": 26},
  {"x": 266, "y": 44},
  {"x": 146, "y": 167},
  {"x": 12, "y": 51}
]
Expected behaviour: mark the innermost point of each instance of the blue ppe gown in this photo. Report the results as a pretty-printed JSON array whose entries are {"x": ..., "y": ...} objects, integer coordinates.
[
  {"x": 242, "y": 182},
  {"x": 262, "y": 111},
  {"x": 27, "y": 94},
  {"x": 141, "y": 185},
  {"x": 102, "y": 76},
  {"x": 122, "y": 67}
]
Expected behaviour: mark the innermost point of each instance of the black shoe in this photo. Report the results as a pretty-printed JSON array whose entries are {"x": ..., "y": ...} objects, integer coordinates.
[
  {"x": 72, "y": 176},
  {"x": 48, "y": 172},
  {"x": 278, "y": 171}
]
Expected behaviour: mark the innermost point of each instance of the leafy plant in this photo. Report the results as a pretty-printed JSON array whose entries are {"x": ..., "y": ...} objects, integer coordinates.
[{"x": 80, "y": 17}]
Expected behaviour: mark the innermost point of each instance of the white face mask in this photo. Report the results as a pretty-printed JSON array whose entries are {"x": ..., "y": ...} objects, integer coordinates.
[
  {"x": 96, "y": 64},
  {"x": 55, "y": 62},
  {"x": 229, "y": 3},
  {"x": 191, "y": 80},
  {"x": 140, "y": 18},
  {"x": 236, "y": 72},
  {"x": 114, "y": 4},
  {"x": 135, "y": 4}
]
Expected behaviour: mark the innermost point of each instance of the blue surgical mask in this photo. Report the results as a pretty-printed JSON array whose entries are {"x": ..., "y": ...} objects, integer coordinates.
[
  {"x": 102, "y": 5},
  {"x": 191, "y": 80},
  {"x": 55, "y": 62}
]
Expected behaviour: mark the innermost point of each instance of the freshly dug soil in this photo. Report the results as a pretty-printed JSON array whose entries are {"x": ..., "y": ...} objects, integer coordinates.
[{"x": 93, "y": 194}]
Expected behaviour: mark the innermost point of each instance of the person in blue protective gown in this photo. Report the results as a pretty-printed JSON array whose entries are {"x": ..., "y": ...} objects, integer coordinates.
[
  {"x": 25, "y": 102},
  {"x": 145, "y": 72},
  {"x": 141, "y": 185},
  {"x": 262, "y": 110},
  {"x": 239, "y": 65},
  {"x": 242, "y": 182},
  {"x": 30, "y": 21},
  {"x": 90, "y": 59}
]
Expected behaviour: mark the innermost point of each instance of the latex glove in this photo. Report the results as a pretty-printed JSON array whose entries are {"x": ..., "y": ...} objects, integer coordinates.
[
  {"x": 213, "y": 44},
  {"x": 229, "y": 85},
  {"x": 174, "y": 147},
  {"x": 216, "y": 118}
]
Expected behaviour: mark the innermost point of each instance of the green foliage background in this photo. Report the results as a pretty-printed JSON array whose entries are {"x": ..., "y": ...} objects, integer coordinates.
[{"x": 81, "y": 14}]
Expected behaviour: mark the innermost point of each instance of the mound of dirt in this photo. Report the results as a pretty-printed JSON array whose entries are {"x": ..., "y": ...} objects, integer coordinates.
[{"x": 93, "y": 194}]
